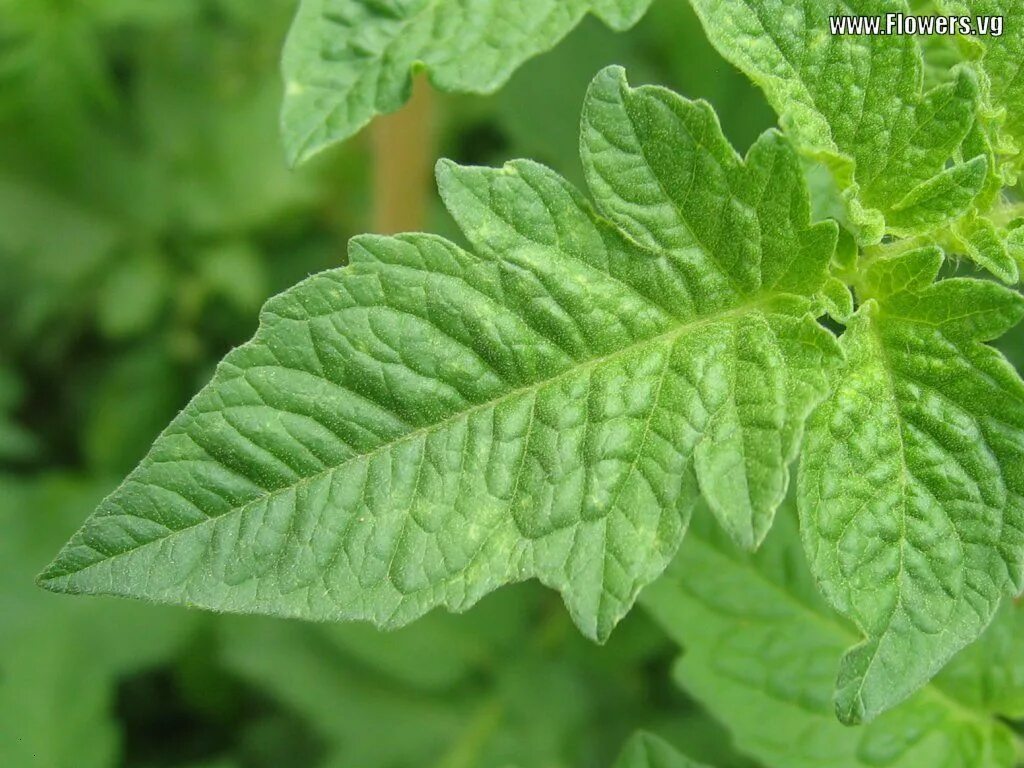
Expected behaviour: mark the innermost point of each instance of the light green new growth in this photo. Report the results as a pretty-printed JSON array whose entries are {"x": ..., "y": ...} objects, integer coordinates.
[
  {"x": 998, "y": 133},
  {"x": 1000, "y": 60},
  {"x": 348, "y": 60},
  {"x": 760, "y": 653},
  {"x": 427, "y": 424},
  {"x": 911, "y": 485},
  {"x": 645, "y": 750},
  {"x": 856, "y": 102}
]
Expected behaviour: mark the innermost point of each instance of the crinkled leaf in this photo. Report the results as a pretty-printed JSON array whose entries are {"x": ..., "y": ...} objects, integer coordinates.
[
  {"x": 1015, "y": 245},
  {"x": 911, "y": 484},
  {"x": 348, "y": 60},
  {"x": 858, "y": 101},
  {"x": 983, "y": 244},
  {"x": 424, "y": 425},
  {"x": 997, "y": 134},
  {"x": 1000, "y": 65},
  {"x": 837, "y": 298},
  {"x": 645, "y": 750},
  {"x": 761, "y": 649}
]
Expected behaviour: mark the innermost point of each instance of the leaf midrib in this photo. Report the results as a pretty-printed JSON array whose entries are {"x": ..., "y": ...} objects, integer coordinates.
[
  {"x": 56, "y": 581},
  {"x": 878, "y": 345}
]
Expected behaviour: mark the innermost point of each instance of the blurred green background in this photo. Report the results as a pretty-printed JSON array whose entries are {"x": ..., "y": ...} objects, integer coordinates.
[{"x": 146, "y": 213}]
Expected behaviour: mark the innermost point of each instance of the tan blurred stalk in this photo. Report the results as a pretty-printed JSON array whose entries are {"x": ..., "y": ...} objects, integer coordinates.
[{"x": 403, "y": 156}]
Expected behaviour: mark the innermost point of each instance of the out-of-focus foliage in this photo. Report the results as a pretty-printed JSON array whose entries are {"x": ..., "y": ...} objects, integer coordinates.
[
  {"x": 60, "y": 663},
  {"x": 145, "y": 215},
  {"x": 647, "y": 751}
]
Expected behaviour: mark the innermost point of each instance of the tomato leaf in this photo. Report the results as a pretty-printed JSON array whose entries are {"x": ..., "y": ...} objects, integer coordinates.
[
  {"x": 427, "y": 424},
  {"x": 912, "y": 476}
]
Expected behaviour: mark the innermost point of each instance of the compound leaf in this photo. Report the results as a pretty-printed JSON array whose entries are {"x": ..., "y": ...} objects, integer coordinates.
[
  {"x": 858, "y": 102},
  {"x": 911, "y": 486},
  {"x": 424, "y": 425},
  {"x": 348, "y": 60},
  {"x": 761, "y": 652}
]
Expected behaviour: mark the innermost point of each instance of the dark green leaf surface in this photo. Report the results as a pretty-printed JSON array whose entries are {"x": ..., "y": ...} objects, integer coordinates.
[
  {"x": 348, "y": 60},
  {"x": 426, "y": 424},
  {"x": 912, "y": 476}
]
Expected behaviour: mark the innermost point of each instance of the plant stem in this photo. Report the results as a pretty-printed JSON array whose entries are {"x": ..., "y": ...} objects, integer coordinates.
[{"x": 403, "y": 156}]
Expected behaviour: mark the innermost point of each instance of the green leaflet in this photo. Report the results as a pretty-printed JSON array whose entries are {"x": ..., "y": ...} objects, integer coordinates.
[
  {"x": 425, "y": 425},
  {"x": 645, "y": 750},
  {"x": 1000, "y": 66},
  {"x": 982, "y": 242},
  {"x": 857, "y": 101},
  {"x": 760, "y": 653},
  {"x": 911, "y": 486},
  {"x": 348, "y": 60},
  {"x": 1015, "y": 243},
  {"x": 997, "y": 134}
]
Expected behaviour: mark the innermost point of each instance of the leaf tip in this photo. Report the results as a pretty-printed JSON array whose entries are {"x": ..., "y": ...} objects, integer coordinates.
[
  {"x": 443, "y": 170},
  {"x": 850, "y": 713},
  {"x": 59, "y": 575},
  {"x": 848, "y": 698},
  {"x": 610, "y": 79},
  {"x": 298, "y": 153},
  {"x": 52, "y": 578}
]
